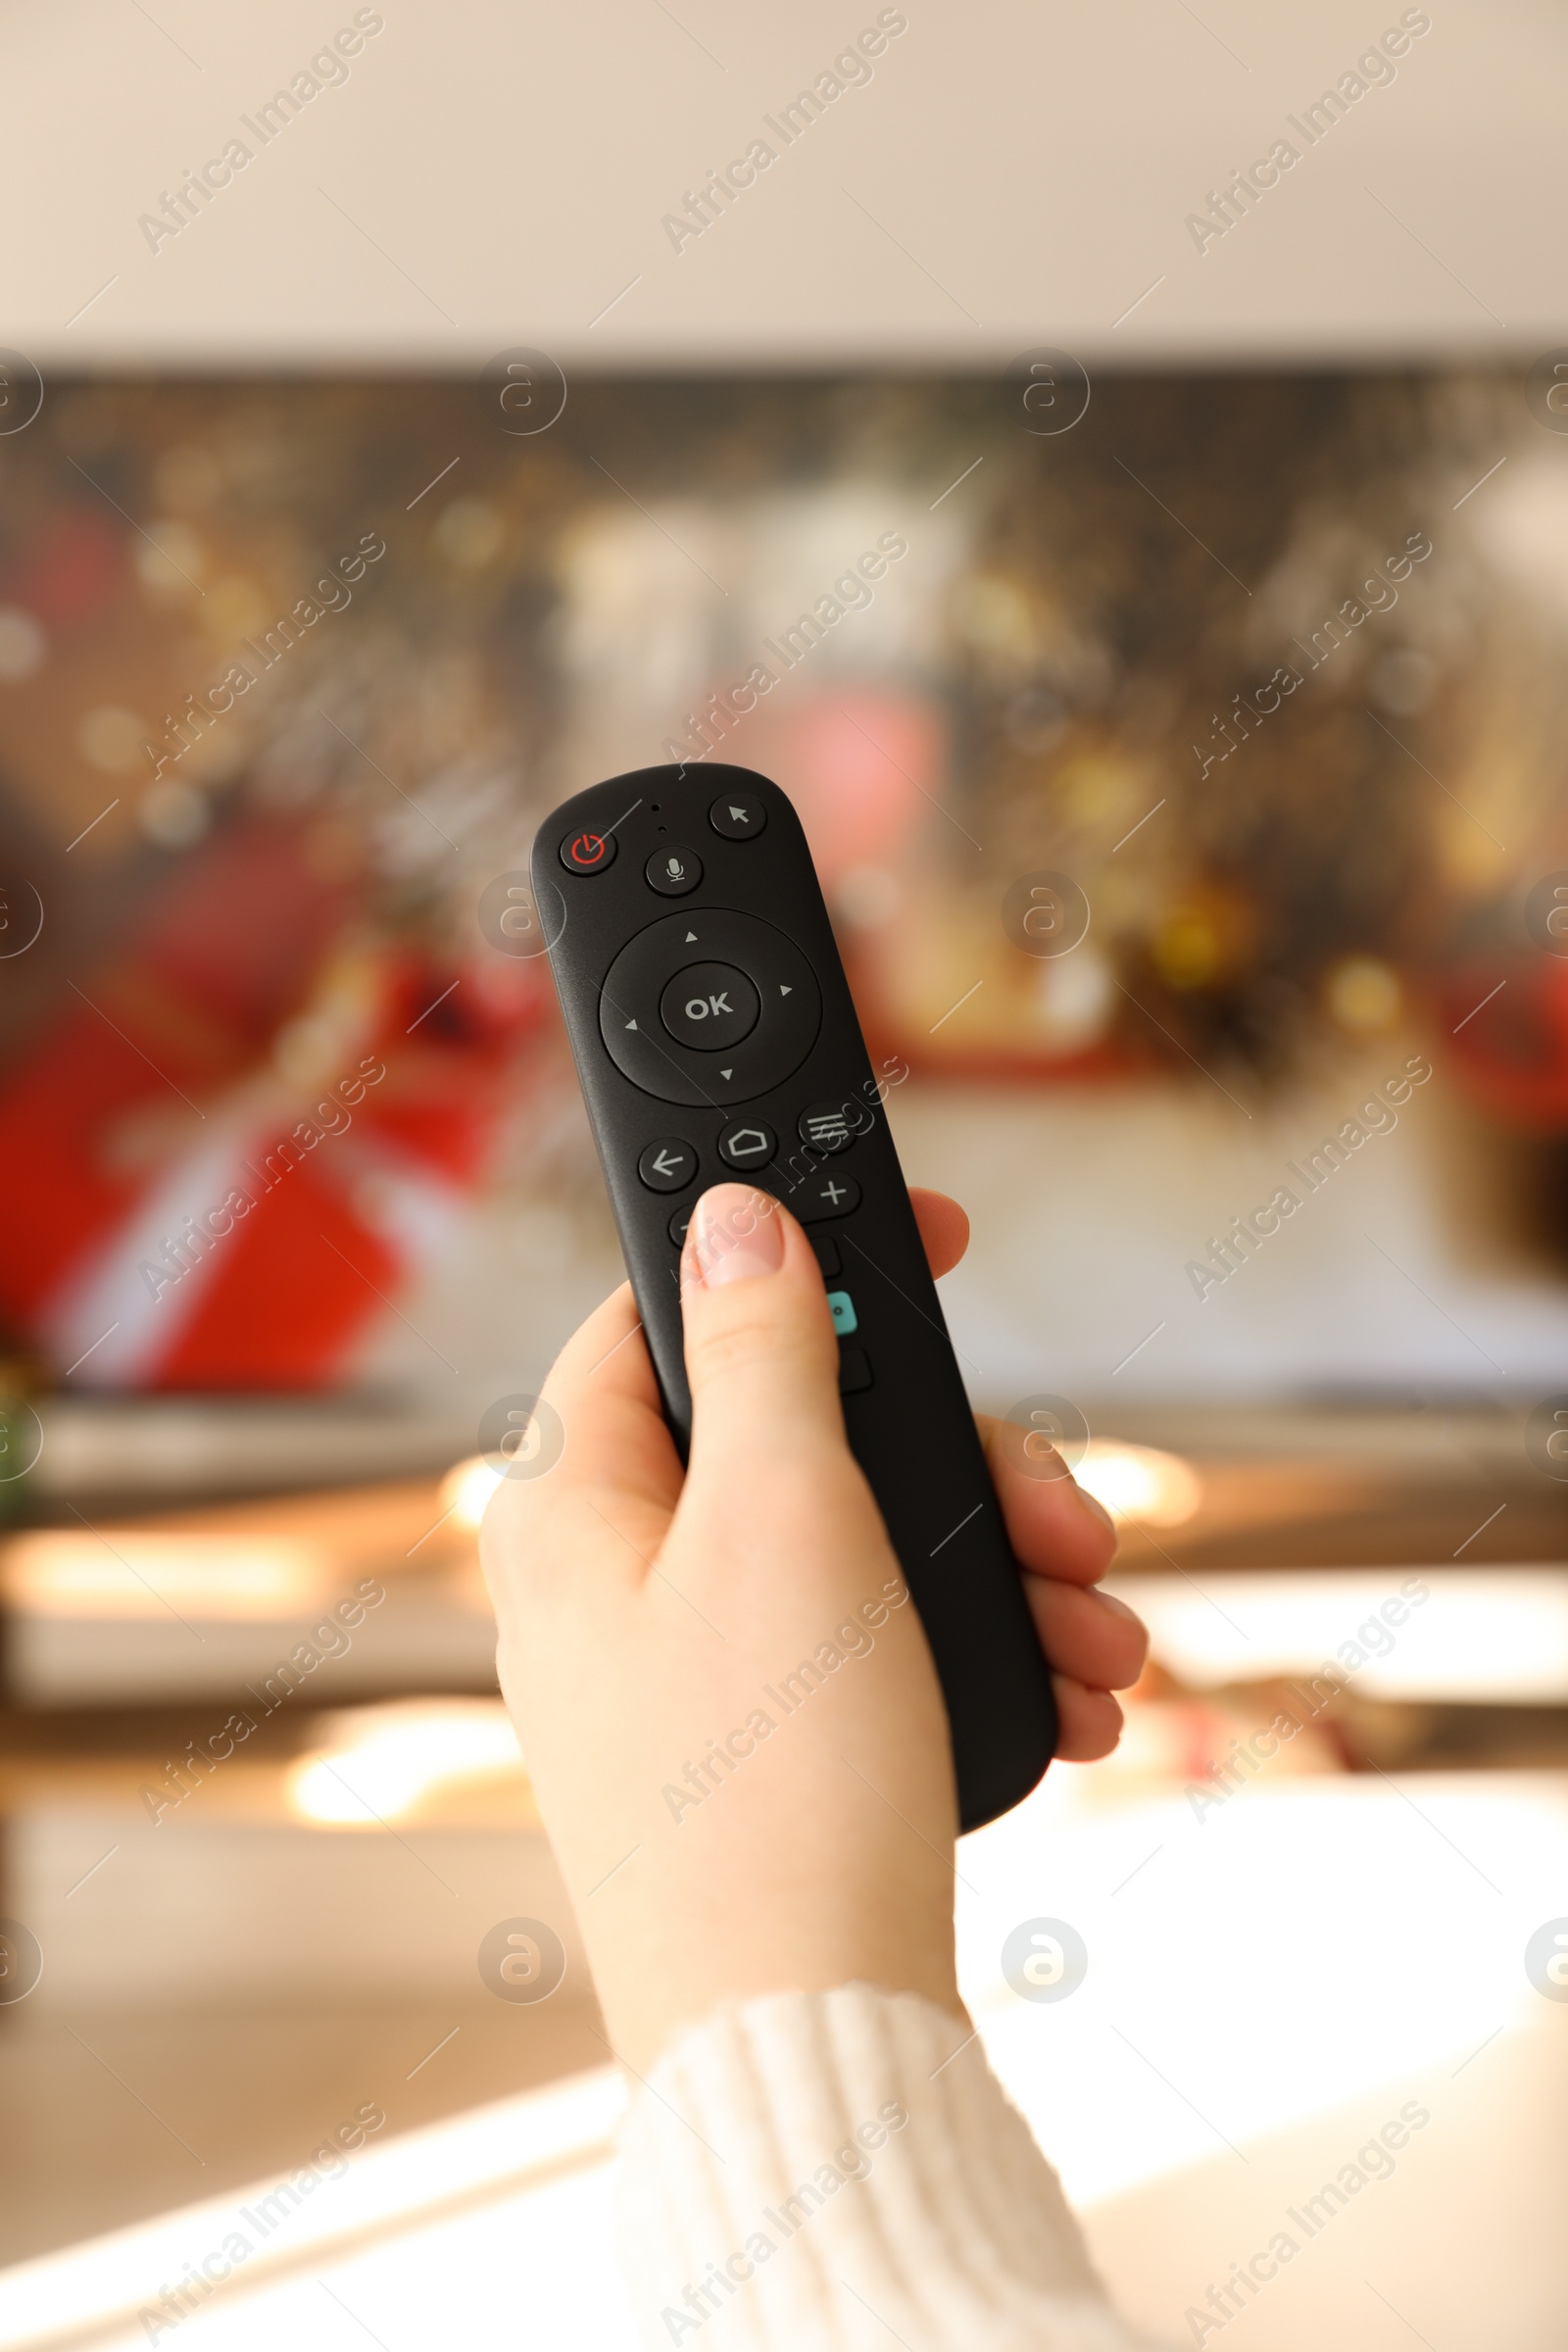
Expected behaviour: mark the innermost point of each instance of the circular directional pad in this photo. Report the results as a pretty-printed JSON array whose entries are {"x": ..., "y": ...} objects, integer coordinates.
[{"x": 710, "y": 1007}]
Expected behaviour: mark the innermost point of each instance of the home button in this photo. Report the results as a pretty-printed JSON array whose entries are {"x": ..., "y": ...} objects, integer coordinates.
[{"x": 748, "y": 1147}]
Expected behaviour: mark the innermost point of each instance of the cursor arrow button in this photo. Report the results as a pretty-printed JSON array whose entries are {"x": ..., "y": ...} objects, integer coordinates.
[{"x": 739, "y": 816}]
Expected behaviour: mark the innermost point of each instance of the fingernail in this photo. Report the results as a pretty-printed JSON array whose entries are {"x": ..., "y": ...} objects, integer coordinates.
[
  {"x": 736, "y": 1234},
  {"x": 1111, "y": 1600},
  {"x": 1092, "y": 1503}
]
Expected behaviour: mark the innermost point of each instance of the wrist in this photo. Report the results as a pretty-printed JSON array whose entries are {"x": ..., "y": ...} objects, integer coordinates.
[{"x": 656, "y": 1978}]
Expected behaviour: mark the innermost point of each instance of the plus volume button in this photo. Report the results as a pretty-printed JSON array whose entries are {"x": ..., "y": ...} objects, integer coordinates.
[{"x": 826, "y": 1195}]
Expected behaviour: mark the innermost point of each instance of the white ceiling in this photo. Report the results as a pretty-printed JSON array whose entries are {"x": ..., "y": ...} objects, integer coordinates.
[{"x": 1013, "y": 175}]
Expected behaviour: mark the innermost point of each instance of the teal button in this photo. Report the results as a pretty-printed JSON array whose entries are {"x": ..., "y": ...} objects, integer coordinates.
[{"x": 845, "y": 1318}]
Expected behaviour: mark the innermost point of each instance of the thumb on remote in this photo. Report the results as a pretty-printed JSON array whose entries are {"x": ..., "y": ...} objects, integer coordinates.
[{"x": 760, "y": 1352}]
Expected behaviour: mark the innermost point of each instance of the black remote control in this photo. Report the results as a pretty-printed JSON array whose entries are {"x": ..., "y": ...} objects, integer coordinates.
[{"x": 716, "y": 1041}]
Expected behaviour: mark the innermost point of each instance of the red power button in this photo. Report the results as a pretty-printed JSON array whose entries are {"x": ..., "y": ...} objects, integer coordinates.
[{"x": 588, "y": 852}]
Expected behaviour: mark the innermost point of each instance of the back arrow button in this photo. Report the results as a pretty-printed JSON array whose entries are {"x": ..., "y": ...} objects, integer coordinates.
[{"x": 668, "y": 1164}]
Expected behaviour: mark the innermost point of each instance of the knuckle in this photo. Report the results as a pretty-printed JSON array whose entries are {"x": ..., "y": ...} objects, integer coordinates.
[{"x": 742, "y": 1342}]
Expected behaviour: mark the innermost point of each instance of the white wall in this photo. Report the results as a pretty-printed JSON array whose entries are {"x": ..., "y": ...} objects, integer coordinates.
[
  {"x": 1015, "y": 173},
  {"x": 1088, "y": 1204}
]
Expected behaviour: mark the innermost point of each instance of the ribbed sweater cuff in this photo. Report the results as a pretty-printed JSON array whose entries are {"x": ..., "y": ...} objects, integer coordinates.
[{"x": 809, "y": 2171}]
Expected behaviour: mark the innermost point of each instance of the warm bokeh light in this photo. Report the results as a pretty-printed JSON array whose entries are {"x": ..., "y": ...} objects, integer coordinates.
[
  {"x": 1139, "y": 1482},
  {"x": 128, "y": 1573},
  {"x": 1363, "y": 994},
  {"x": 1474, "y": 1635},
  {"x": 467, "y": 1490},
  {"x": 382, "y": 1762}
]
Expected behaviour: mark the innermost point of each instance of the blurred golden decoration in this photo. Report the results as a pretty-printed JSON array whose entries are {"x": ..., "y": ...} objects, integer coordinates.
[
  {"x": 234, "y": 608},
  {"x": 169, "y": 559},
  {"x": 1363, "y": 995},
  {"x": 468, "y": 533},
  {"x": 113, "y": 739},
  {"x": 1470, "y": 856},
  {"x": 1099, "y": 790},
  {"x": 1204, "y": 940},
  {"x": 174, "y": 814},
  {"x": 1187, "y": 950},
  {"x": 994, "y": 616}
]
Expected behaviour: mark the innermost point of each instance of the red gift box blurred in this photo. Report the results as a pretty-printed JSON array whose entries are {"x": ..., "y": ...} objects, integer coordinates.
[
  {"x": 1507, "y": 1018},
  {"x": 236, "y": 1144}
]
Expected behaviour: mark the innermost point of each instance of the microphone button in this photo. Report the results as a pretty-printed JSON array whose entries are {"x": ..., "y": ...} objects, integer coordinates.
[{"x": 672, "y": 872}]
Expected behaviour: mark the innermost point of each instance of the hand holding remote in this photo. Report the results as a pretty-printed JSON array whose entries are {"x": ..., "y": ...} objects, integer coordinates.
[
  {"x": 731, "y": 1716},
  {"x": 724, "y": 1037}
]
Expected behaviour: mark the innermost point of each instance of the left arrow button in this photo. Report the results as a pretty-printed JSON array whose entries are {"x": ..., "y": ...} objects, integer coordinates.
[{"x": 668, "y": 1164}]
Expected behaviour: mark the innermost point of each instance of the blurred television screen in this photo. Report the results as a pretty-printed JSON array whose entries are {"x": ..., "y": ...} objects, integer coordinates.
[{"x": 1181, "y": 755}]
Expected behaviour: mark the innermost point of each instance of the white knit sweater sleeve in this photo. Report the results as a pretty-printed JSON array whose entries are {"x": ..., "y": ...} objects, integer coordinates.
[{"x": 836, "y": 2171}]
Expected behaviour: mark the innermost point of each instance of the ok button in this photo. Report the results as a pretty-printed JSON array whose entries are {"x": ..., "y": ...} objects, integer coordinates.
[{"x": 711, "y": 1005}]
